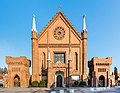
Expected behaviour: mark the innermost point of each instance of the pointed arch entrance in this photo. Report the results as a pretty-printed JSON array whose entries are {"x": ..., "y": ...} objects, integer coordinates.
[
  {"x": 102, "y": 81},
  {"x": 16, "y": 81},
  {"x": 59, "y": 79}
]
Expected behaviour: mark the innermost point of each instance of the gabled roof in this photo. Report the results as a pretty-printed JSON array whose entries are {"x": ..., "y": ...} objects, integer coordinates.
[{"x": 57, "y": 14}]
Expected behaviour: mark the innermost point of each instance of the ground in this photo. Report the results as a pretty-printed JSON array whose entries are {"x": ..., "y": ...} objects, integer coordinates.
[{"x": 56, "y": 90}]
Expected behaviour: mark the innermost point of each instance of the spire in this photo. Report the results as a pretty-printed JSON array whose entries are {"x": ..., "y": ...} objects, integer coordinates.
[
  {"x": 84, "y": 24},
  {"x": 34, "y": 24}
]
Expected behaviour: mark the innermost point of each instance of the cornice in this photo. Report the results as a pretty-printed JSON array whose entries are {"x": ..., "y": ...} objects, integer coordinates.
[{"x": 58, "y": 45}]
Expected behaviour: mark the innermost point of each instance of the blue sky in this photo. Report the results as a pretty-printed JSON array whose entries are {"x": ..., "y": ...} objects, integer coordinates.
[{"x": 102, "y": 17}]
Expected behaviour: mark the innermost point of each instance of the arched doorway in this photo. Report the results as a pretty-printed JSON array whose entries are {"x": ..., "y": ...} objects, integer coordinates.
[
  {"x": 16, "y": 81},
  {"x": 59, "y": 81},
  {"x": 102, "y": 81}
]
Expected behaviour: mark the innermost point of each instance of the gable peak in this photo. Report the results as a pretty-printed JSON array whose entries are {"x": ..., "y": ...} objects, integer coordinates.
[{"x": 59, "y": 12}]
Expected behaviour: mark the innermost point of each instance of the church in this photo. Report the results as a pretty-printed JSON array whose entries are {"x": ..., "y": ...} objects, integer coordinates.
[
  {"x": 59, "y": 52},
  {"x": 59, "y": 56}
]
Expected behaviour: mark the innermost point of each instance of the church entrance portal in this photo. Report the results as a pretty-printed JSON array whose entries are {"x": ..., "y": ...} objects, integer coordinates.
[
  {"x": 59, "y": 81},
  {"x": 16, "y": 81}
]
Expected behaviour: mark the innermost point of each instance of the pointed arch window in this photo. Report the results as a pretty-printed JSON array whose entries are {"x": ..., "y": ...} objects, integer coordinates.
[
  {"x": 76, "y": 60},
  {"x": 44, "y": 60}
]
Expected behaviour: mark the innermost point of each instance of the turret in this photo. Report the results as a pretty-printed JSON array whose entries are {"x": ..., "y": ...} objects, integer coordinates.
[
  {"x": 84, "y": 48},
  {"x": 34, "y": 51}
]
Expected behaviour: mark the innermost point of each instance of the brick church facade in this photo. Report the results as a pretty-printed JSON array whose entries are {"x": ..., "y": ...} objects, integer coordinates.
[{"x": 56, "y": 47}]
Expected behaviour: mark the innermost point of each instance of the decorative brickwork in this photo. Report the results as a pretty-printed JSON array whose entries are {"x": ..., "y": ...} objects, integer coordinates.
[
  {"x": 18, "y": 71},
  {"x": 99, "y": 72}
]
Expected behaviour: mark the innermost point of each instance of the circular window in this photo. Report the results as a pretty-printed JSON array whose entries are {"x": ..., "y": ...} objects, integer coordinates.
[{"x": 59, "y": 33}]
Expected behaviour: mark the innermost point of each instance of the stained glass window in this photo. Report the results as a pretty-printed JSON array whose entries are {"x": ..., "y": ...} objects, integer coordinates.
[{"x": 59, "y": 57}]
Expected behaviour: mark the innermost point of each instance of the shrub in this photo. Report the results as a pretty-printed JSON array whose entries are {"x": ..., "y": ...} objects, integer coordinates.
[
  {"x": 76, "y": 84},
  {"x": 42, "y": 83},
  {"x": 35, "y": 84},
  {"x": 82, "y": 84}
]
